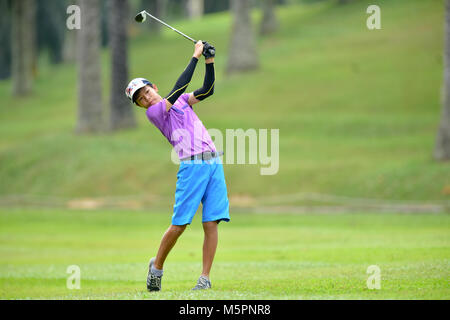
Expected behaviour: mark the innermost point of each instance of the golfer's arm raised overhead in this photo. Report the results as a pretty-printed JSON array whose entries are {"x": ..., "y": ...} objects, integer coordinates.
[
  {"x": 182, "y": 82},
  {"x": 208, "y": 83}
]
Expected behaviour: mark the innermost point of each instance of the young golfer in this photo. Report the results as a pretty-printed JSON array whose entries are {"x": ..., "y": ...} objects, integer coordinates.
[{"x": 200, "y": 176}]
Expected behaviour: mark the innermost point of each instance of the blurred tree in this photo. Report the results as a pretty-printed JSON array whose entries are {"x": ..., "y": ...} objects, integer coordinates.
[
  {"x": 158, "y": 8},
  {"x": 269, "y": 23},
  {"x": 5, "y": 39},
  {"x": 70, "y": 45},
  {"x": 121, "y": 115},
  {"x": 243, "y": 55},
  {"x": 176, "y": 9},
  {"x": 442, "y": 148},
  {"x": 23, "y": 45},
  {"x": 216, "y": 6},
  {"x": 89, "y": 77},
  {"x": 104, "y": 23},
  {"x": 70, "y": 38},
  {"x": 195, "y": 8},
  {"x": 50, "y": 28}
]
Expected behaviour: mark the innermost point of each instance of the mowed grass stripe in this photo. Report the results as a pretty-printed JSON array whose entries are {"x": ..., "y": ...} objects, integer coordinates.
[{"x": 299, "y": 257}]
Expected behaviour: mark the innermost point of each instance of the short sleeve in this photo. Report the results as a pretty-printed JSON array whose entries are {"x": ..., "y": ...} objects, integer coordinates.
[
  {"x": 157, "y": 114},
  {"x": 184, "y": 98}
]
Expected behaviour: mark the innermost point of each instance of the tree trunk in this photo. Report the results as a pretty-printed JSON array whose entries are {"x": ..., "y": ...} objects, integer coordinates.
[
  {"x": 89, "y": 72},
  {"x": 442, "y": 148},
  {"x": 269, "y": 23},
  {"x": 121, "y": 115},
  {"x": 23, "y": 46},
  {"x": 51, "y": 17},
  {"x": 156, "y": 8},
  {"x": 243, "y": 55},
  {"x": 70, "y": 41},
  {"x": 195, "y": 8},
  {"x": 5, "y": 39},
  {"x": 70, "y": 46},
  {"x": 211, "y": 6}
]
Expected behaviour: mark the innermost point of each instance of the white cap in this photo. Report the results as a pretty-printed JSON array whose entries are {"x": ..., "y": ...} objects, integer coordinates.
[{"x": 134, "y": 86}]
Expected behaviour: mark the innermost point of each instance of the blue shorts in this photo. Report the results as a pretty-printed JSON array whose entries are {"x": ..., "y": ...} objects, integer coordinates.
[{"x": 200, "y": 180}]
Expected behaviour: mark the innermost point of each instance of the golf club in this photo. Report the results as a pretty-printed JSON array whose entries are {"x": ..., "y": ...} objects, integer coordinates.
[{"x": 142, "y": 16}]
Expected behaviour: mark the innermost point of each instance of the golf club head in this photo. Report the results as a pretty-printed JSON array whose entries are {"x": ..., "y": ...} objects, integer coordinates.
[{"x": 140, "y": 17}]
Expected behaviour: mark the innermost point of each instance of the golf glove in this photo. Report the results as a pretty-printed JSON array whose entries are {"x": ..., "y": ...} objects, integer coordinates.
[{"x": 208, "y": 50}]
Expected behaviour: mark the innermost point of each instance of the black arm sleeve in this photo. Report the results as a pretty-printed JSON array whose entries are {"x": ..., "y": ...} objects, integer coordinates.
[
  {"x": 208, "y": 84},
  {"x": 183, "y": 81}
]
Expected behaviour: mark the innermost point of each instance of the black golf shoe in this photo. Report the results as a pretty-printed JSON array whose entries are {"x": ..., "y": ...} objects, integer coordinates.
[{"x": 153, "y": 281}]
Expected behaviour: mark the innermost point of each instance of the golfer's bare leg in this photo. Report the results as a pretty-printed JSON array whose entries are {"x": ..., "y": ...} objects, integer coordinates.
[
  {"x": 209, "y": 246},
  {"x": 168, "y": 241}
]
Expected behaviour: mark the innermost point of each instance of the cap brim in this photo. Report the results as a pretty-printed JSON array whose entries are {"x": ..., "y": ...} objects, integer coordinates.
[{"x": 137, "y": 89}]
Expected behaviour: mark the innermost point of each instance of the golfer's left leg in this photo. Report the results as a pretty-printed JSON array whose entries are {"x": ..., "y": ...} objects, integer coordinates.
[
  {"x": 209, "y": 246},
  {"x": 215, "y": 209}
]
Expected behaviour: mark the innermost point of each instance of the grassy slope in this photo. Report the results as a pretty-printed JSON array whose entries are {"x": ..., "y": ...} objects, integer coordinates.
[
  {"x": 357, "y": 111},
  {"x": 313, "y": 257}
]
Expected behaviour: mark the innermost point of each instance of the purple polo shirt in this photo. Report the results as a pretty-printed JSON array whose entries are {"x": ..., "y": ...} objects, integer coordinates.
[{"x": 181, "y": 126}]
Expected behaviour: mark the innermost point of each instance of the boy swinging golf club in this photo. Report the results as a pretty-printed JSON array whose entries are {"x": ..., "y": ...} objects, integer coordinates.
[{"x": 200, "y": 176}]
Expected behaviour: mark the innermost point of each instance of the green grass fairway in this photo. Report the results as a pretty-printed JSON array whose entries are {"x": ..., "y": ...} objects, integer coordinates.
[
  {"x": 357, "y": 110},
  {"x": 259, "y": 256}
]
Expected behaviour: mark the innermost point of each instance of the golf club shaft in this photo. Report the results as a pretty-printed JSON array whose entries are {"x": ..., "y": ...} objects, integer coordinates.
[{"x": 179, "y": 32}]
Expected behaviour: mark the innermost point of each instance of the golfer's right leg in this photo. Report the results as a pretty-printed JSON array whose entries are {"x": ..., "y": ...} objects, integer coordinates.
[
  {"x": 155, "y": 267},
  {"x": 191, "y": 185},
  {"x": 168, "y": 241}
]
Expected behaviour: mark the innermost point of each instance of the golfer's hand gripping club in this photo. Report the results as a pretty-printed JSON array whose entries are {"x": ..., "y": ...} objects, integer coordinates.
[{"x": 208, "y": 50}]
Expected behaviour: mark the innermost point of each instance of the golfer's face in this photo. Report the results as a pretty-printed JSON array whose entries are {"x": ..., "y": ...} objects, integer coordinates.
[{"x": 147, "y": 97}]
